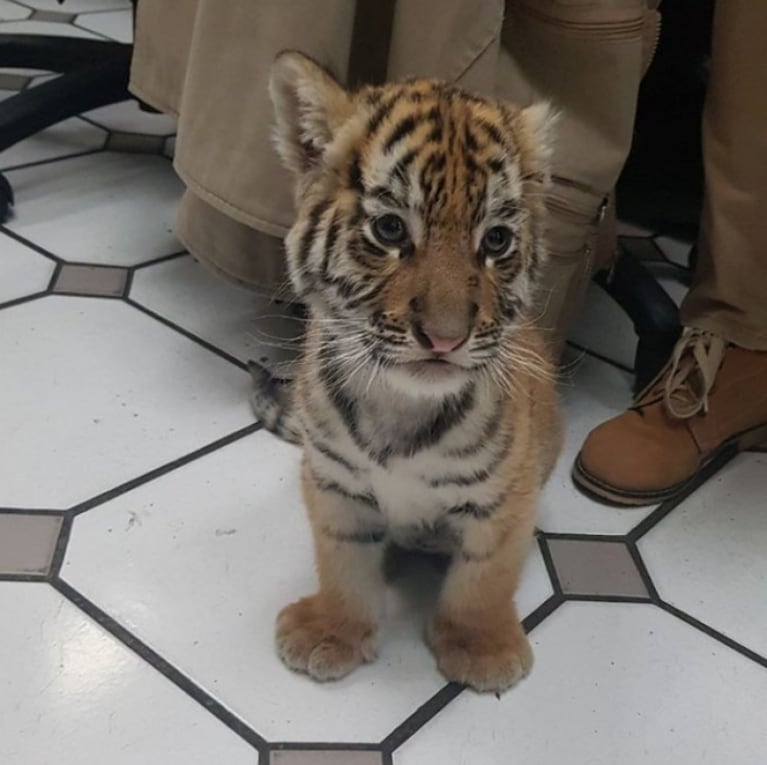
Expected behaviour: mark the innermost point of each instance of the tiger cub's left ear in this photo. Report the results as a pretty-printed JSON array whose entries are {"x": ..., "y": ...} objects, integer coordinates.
[
  {"x": 309, "y": 105},
  {"x": 539, "y": 124}
]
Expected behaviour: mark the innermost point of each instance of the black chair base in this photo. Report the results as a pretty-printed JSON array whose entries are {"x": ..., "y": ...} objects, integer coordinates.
[
  {"x": 93, "y": 73},
  {"x": 653, "y": 313}
]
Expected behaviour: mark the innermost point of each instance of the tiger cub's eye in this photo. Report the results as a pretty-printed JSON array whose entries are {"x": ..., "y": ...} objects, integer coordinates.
[
  {"x": 390, "y": 229},
  {"x": 496, "y": 240}
]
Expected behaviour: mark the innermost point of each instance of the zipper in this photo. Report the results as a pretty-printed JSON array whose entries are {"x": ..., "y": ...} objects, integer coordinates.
[{"x": 620, "y": 29}]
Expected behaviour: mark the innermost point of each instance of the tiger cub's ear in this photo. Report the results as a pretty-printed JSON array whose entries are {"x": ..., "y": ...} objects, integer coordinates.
[
  {"x": 538, "y": 125},
  {"x": 309, "y": 106}
]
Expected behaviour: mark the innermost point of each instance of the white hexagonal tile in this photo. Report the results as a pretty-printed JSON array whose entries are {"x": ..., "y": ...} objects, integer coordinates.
[
  {"x": 55, "y": 28},
  {"x": 78, "y": 6},
  {"x": 22, "y": 270},
  {"x": 198, "y": 563},
  {"x": 71, "y": 689},
  {"x": 71, "y": 136},
  {"x": 127, "y": 117},
  {"x": 114, "y": 209},
  {"x": 675, "y": 249},
  {"x": 12, "y": 12},
  {"x": 613, "y": 683},
  {"x": 245, "y": 324},
  {"x": 708, "y": 556},
  {"x": 591, "y": 392},
  {"x": 117, "y": 25},
  {"x": 100, "y": 393}
]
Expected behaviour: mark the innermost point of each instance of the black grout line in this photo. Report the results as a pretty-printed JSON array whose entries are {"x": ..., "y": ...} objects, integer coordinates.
[
  {"x": 578, "y": 598},
  {"x": 644, "y": 574},
  {"x": 189, "y": 335},
  {"x": 386, "y": 758},
  {"x": 577, "y": 537},
  {"x": 91, "y": 264},
  {"x": 50, "y": 160},
  {"x": 128, "y": 284},
  {"x": 61, "y": 545},
  {"x": 30, "y": 511},
  {"x": 55, "y": 276},
  {"x": 157, "y": 261},
  {"x": 546, "y": 609},
  {"x": 264, "y": 757},
  {"x": 323, "y": 746},
  {"x": 712, "y": 633},
  {"x": 600, "y": 357},
  {"x": 28, "y": 243},
  {"x": 421, "y": 716},
  {"x": 89, "y": 295},
  {"x": 164, "y": 667},
  {"x": 134, "y": 483},
  {"x": 24, "y": 578},
  {"x": 550, "y": 567},
  {"x": 698, "y": 480},
  {"x": 25, "y": 299}
]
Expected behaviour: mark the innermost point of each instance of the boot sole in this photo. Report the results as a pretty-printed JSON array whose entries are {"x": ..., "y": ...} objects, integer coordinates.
[{"x": 615, "y": 495}]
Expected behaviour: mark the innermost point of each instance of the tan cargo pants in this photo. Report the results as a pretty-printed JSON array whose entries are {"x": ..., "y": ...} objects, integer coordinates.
[
  {"x": 729, "y": 293},
  {"x": 207, "y": 63}
]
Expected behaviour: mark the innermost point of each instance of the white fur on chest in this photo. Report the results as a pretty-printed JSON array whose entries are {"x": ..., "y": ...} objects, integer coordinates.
[{"x": 402, "y": 494}]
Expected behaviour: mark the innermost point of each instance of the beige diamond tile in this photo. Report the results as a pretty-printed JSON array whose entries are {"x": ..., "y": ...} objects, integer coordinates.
[
  {"x": 587, "y": 567},
  {"x": 27, "y": 542}
]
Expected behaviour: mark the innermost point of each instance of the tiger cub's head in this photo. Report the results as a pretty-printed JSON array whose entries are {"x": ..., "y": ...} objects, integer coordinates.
[{"x": 418, "y": 237}]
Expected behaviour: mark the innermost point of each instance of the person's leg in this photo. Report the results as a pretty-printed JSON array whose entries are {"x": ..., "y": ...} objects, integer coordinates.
[
  {"x": 711, "y": 397},
  {"x": 729, "y": 294},
  {"x": 587, "y": 57}
]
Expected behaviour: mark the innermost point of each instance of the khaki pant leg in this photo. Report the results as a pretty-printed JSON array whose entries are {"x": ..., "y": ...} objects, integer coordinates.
[
  {"x": 729, "y": 293},
  {"x": 587, "y": 57}
]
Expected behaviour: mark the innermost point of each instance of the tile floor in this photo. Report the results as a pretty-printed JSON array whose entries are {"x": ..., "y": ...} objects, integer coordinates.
[{"x": 149, "y": 531}]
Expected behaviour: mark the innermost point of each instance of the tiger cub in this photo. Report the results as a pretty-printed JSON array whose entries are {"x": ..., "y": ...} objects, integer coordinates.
[{"x": 425, "y": 402}]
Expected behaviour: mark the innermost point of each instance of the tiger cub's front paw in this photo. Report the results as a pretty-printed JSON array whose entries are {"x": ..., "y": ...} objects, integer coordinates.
[
  {"x": 322, "y": 642},
  {"x": 490, "y": 656}
]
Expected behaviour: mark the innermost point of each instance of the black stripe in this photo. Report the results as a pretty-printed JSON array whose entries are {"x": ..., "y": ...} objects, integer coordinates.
[
  {"x": 343, "y": 404},
  {"x": 365, "y": 247},
  {"x": 365, "y": 297},
  {"x": 469, "y": 139},
  {"x": 326, "y": 451},
  {"x": 384, "y": 193},
  {"x": 433, "y": 165},
  {"x": 452, "y": 411},
  {"x": 355, "y": 537},
  {"x": 478, "y": 476},
  {"x": 493, "y": 132},
  {"x": 403, "y": 129},
  {"x": 332, "y": 487},
  {"x": 384, "y": 110},
  {"x": 330, "y": 242},
  {"x": 355, "y": 175},
  {"x": 403, "y": 163},
  {"x": 479, "y": 512},
  {"x": 307, "y": 238},
  {"x": 496, "y": 164}
]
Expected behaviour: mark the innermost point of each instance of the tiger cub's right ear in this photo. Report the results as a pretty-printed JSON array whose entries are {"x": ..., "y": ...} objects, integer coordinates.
[{"x": 309, "y": 105}]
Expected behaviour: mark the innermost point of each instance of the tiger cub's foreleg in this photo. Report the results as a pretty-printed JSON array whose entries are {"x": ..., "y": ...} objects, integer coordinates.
[
  {"x": 329, "y": 634},
  {"x": 476, "y": 635}
]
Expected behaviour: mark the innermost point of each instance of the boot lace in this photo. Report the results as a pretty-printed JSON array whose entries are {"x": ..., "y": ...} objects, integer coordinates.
[{"x": 694, "y": 364}]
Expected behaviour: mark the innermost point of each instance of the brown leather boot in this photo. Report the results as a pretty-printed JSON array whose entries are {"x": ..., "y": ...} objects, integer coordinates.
[{"x": 709, "y": 397}]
